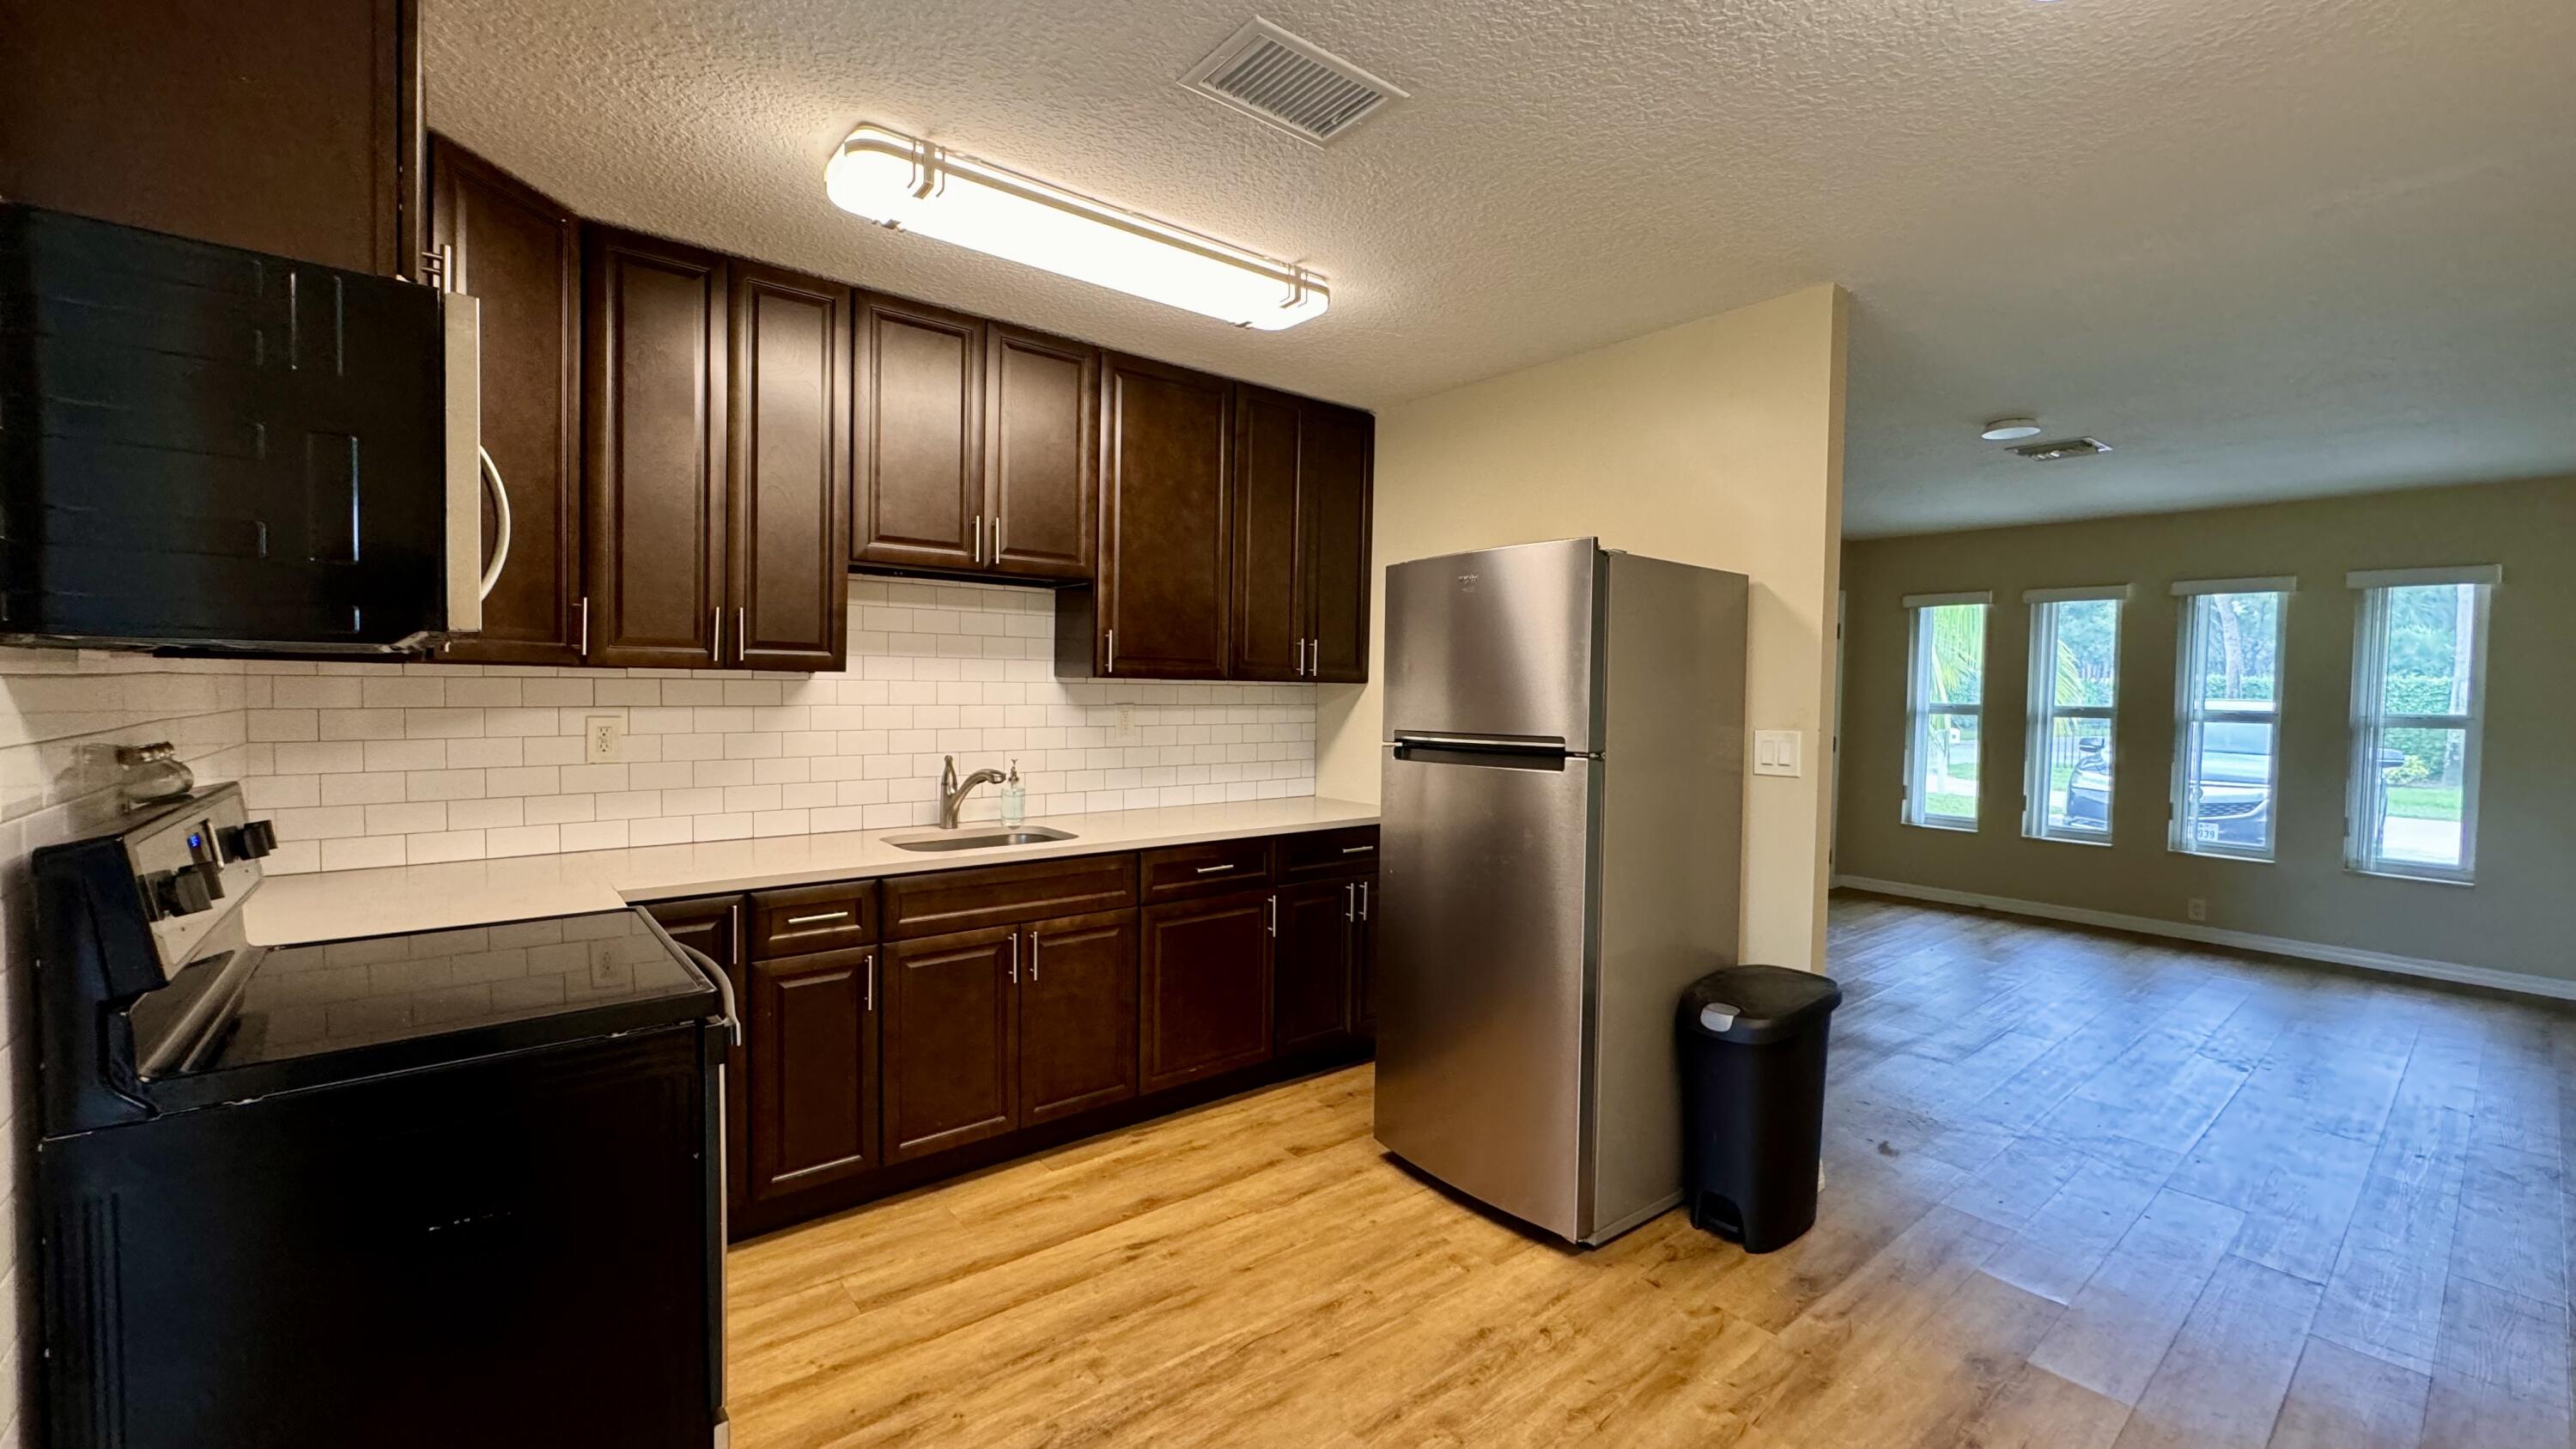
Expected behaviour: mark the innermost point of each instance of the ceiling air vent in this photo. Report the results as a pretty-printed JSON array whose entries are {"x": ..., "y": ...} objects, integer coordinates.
[
  {"x": 2064, "y": 448},
  {"x": 1303, "y": 89}
]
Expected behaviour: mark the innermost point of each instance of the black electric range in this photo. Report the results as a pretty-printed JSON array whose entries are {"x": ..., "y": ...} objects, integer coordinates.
[{"x": 420, "y": 1189}]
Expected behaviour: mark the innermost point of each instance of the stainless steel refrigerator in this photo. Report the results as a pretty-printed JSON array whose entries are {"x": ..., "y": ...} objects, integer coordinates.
[{"x": 1561, "y": 854}]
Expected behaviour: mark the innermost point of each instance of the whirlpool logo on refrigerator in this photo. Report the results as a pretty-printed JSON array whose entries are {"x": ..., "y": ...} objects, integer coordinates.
[{"x": 1467, "y": 583}]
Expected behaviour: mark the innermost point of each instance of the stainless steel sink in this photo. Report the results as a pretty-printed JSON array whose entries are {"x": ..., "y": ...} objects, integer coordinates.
[{"x": 975, "y": 839}]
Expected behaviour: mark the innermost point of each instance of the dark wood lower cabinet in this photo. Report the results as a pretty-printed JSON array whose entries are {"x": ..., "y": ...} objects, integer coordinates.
[
  {"x": 1204, "y": 979},
  {"x": 1077, "y": 1016},
  {"x": 1318, "y": 934},
  {"x": 813, "y": 1086},
  {"x": 951, "y": 1040}
]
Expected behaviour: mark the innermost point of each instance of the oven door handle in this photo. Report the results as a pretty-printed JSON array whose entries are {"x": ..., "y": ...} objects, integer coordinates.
[{"x": 724, "y": 988}]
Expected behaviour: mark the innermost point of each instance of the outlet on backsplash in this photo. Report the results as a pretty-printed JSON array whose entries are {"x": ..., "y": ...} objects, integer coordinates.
[{"x": 604, "y": 739}]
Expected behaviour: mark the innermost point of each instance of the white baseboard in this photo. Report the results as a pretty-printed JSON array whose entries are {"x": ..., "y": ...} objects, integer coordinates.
[{"x": 2515, "y": 981}]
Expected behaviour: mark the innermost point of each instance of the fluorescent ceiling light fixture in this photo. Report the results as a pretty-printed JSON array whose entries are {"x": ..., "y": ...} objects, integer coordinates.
[
  {"x": 2005, "y": 430},
  {"x": 911, "y": 185}
]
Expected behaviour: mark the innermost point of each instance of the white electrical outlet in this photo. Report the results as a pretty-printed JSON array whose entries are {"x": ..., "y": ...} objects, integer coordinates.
[
  {"x": 603, "y": 739},
  {"x": 1124, "y": 732},
  {"x": 1776, "y": 752},
  {"x": 2196, "y": 908}
]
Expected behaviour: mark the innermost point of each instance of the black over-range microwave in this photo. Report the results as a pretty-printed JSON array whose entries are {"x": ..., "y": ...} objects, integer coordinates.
[{"x": 203, "y": 448}]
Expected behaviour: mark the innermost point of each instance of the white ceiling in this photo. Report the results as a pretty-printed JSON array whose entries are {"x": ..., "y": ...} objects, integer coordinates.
[{"x": 2265, "y": 248}]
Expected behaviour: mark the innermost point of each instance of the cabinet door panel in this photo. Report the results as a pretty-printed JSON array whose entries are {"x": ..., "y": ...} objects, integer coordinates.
[
  {"x": 789, "y": 470},
  {"x": 1078, "y": 1016},
  {"x": 1317, "y": 926},
  {"x": 1335, "y": 456},
  {"x": 950, "y": 1042},
  {"x": 714, "y": 926},
  {"x": 517, "y": 252},
  {"x": 920, "y": 446},
  {"x": 1041, "y": 402},
  {"x": 1205, "y": 987},
  {"x": 1165, "y": 577},
  {"x": 1270, "y": 615},
  {"x": 653, "y": 374},
  {"x": 813, "y": 1055}
]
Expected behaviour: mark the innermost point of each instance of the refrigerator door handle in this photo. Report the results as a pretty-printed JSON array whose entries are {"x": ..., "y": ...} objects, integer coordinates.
[{"x": 1501, "y": 744}]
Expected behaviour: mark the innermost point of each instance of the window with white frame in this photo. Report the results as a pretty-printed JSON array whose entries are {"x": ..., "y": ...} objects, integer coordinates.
[
  {"x": 1945, "y": 708},
  {"x": 2074, "y": 712},
  {"x": 2227, "y": 717},
  {"x": 2418, "y": 698}
]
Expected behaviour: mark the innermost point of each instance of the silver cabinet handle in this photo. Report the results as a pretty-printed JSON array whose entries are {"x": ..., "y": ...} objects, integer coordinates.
[
  {"x": 997, "y": 538},
  {"x": 741, "y": 633},
  {"x": 1351, "y": 902},
  {"x": 1357, "y": 849},
  {"x": 1364, "y": 901},
  {"x": 871, "y": 1002},
  {"x": 1213, "y": 869},
  {"x": 979, "y": 538},
  {"x": 818, "y": 919},
  {"x": 585, "y": 626},
  {"x": 1033, "y": 953},
  {"x": 1274, "y": 915},
  {"x": 715, "y": 646},
  {"x": 1113, "y": 653},
  {"x": 1015, "y": 958}
]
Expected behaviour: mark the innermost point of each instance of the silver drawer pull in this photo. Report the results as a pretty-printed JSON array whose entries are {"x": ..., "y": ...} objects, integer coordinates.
[
  {"x": 818, "y": 920},
  {"x": 1213, "y": 869},
  {"x": 1357, "y": 849}
]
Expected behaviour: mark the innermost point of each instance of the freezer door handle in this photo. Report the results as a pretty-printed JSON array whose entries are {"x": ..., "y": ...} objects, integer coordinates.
[{"x": 1501, "y": 744}]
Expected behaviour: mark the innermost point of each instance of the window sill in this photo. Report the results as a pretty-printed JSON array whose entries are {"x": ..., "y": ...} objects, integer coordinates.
[
  {"x": 2099, "y": 842},
  {"x": 1955, "y": 827},
  {"x": 2464, "y": 881},
  {"x": 2245, "y": 857}
]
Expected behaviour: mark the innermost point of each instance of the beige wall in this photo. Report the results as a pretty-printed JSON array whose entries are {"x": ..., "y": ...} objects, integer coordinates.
[
  {"x": 1718, "y": 442},
  {"x": 2520, "y": 916}
]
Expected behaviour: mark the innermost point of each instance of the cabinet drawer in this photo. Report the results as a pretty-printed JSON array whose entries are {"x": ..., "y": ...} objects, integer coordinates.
[
  {"x": 1006, "y": 895},
  {"x": 1187, "y": 871},
  {"x": 813, "y": 918},
  {"x": 1320, "y": 854}
]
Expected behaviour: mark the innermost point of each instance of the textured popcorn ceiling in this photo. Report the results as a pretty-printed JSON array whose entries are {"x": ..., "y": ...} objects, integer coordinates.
[{"x": 2263, "y": 247}]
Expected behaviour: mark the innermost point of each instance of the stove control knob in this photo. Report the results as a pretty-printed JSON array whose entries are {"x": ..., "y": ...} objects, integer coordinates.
[
  {"x": 250, "y": 841},
  {"x": 180, "y": 892}
]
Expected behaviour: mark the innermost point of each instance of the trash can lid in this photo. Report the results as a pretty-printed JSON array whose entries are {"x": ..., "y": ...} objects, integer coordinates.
[{"x": 1750, "y": 1005}]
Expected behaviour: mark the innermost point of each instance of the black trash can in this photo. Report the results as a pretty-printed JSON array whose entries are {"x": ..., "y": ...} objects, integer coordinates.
[{"x": 1753, "y": 1101}]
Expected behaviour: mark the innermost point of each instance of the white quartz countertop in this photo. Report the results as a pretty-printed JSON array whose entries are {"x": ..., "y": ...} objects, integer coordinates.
[{"x": 290, "y": 909}]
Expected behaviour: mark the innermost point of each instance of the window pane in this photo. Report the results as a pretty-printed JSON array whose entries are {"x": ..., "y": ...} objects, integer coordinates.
[
  {"x": 2088, "y": 652},
  {"x": 1956, "y": 634},
  {"x": 2227, "y": 787},
  {"x": 2432, "y": 632},
  {"x": 2079, "y": 777},
  {"x": 1948, "y": 787},
  {"x": 2240, "y": 648},
  {"x": 2421, "y": 774}
]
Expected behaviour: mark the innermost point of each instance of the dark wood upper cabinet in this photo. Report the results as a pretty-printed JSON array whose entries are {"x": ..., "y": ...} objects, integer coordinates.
[
  {"x": 654, "y": 399},
  {"x": 1077, "y": 1016},
  {"x": 1159, "y": 606},
  {"x": 1270, "y": 594},
  {"x": 813, "y": 1077},
  {"x": 1204, "y": 982},
  {"x": 788, "y": 470},
  {"x": 1301, "y": 538},
  {"x": 518, "y": 253},
  {"x": 951, "y": 1031},
  {"x": 921, "y": 437},
  {"x": 1336, "y": 456},
  {"x": 1041, "y": 467},
  {"x": 283, "y": 126},
  {"x": 1318, "y": 931}
]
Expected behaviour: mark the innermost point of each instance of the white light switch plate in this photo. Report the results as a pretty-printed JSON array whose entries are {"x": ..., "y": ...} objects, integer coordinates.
[{"x": 1775, "y": 752}]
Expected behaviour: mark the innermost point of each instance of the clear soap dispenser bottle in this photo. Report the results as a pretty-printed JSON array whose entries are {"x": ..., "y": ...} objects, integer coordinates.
[{"x": 1015, "y": 798}]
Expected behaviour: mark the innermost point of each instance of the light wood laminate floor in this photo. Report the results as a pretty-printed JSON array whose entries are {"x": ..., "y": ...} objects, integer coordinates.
[{"x": 2082, "y": 1190}]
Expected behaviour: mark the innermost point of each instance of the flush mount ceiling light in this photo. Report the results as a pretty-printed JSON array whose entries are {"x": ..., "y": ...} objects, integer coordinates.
[
  {"x": 2005, "y": 430},
  {"x": 911, "y": 185}
]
